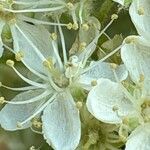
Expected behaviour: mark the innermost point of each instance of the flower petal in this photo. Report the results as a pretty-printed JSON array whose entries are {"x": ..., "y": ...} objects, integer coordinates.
[
  {"x": 102, "y": 70},
  {"x": 34, "y": 42},
  {"x": 107, "y": 102},
  {"x": 139, "y": 12},
  {"x": 61, "y": 123},
  {"x": 119, "y": 1},
  {"x": 139, "y": 138},
  {"x": 136, "y": 57},
  {"x": 11, "y": 114}
]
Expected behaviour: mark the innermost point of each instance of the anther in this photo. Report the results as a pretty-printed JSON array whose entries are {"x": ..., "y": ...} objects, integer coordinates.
[
  {"x": 82, "y": 46},
  {"x": 115, "y": 108},
  {"x": 85, "y": 27},
  {"x": 32, "y": 148},
  {"x": 10, "y": 63},
  {"x": 141, "y": 11},
  {"x": 75, "y": 26},
  {"x": 130, "y": 39},
  {"x": 141, "y": 78},
  {"x": 94, "y": 83},
  {"x": 70, "y": 6},
  {"x": 19, "y": 125},
  {"x": 36, "y": 123},
  {"x": 19, "y": 56},
  {"x": 114, "y": 17},
  {"x": 2, "y": 100},
  {"x": 79, "y": 105},
  {"x": 48, "y": 64},
  {"x": 113, "y": 66},
  {"x": 1, "y": 84},
  {"x": 54, "y": 36},
  {"x": 69, "y": 26}
]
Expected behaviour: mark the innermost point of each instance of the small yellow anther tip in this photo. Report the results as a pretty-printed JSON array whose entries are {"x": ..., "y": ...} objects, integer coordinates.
[
  {"x": 10, "y": 63},
  {"x": 114, "y": 17}
]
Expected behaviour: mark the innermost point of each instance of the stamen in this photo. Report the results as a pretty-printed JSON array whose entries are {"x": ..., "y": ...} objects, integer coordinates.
[
  {"x": 32, "y": 100},
  {"x": 54, "y": 36},
  {"x": 57, "y": 55},
  {"x": 39, "y": 110},
  {"x": 32, "y": 70},
  {"x": 70, "y": 6},
  {"x": 11, "y": 64},
  {"x": 34, "y": 10},
  {"x": 103, "y": 59},
  {"x": 35, "y": 21},
  {"x": 19, "y": 89},
  {"x": 63, "y": 43}
]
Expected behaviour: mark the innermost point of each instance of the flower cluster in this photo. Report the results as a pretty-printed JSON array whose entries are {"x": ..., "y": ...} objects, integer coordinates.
[{"x": 73, "y": 101}]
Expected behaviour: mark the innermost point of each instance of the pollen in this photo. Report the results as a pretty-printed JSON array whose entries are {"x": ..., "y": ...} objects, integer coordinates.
[
  {"x": 54, "y": 36},
  {"x": 19, "y": 56},
  {"x": 10, "y": 63},
  {"x": 140, "y": 11},
  {"x": 94, "y": 83},
  {"x": 114, "y": 17},
  {"x": 75, "y": 26},
  {"x": 113, "y": 66},
  {"x": 70, "y": 6},
  {"x": 19, "y": 125},
  {"x": 82, "y": 46},
  {"x": 48, "y": 63},
  {"x": 79, "y": 105},
  {"x": 36, "y": 123},
  {"x": 69, "y": 26},
  {"x": 2, "y": 100},
  {"x": 141, "y": 78},
  {"x": 85, "y": 27},
  {"x": 130, "y": 39}
]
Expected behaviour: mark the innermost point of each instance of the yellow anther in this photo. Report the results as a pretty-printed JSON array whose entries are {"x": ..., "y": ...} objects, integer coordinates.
[
  {"x": 10, "y": 63},
  {"x": 85, "y": 27},
  {"x": 36, "y": 123},
  {"x": 69, "y": 26},
  {"x": 115, "y": 108},
  {"x": 2, "y": 100},
  {"x": 54, "y": 36},
  {"x": 75, "y": 26},
  {"x": 82, "y": 46},
  {"x": 125, "y": 121},
  {"x": 94, "y": 83},
  {"x": 48, "y": 63},
  {"x": 32, "y": 148},
  {"x": 113, "y": 66},
  {"x": 79, "y": 105},
  {"x": 141, "y": 78},
  {"x": 114, "y": 17},
  {"x": 130, "y": 39},
  {"x": 141, "y": 11},
  {"x": 70, "y": 5},
  {"x": 1, "y": 84},
  {"x": 19, "y": 56},
  {"x": 19, "y": 125}
]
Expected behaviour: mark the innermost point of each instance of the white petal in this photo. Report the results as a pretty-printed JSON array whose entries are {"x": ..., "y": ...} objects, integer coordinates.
[
  {"x": 39, "y": 37},
  {"x": 61, "y": 123},
  {"x": 136, "y": 57},
  {"x": 141, "y": 22},
  {"x": 102, "y": 70},
  {"x": 104, "y": 98},
  {"x": 139, "y": 138},
  {"x": 119, "y": 1},
  {"x": 11, "y": 114},
  {"x": 1, "y": 43}
]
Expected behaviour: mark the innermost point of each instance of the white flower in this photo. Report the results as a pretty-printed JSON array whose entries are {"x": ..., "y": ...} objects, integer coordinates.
[
  {"x": 111, "y": 102},
  {"x": 49, "y": 95},
  {"x": 139, "y": 12}
]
